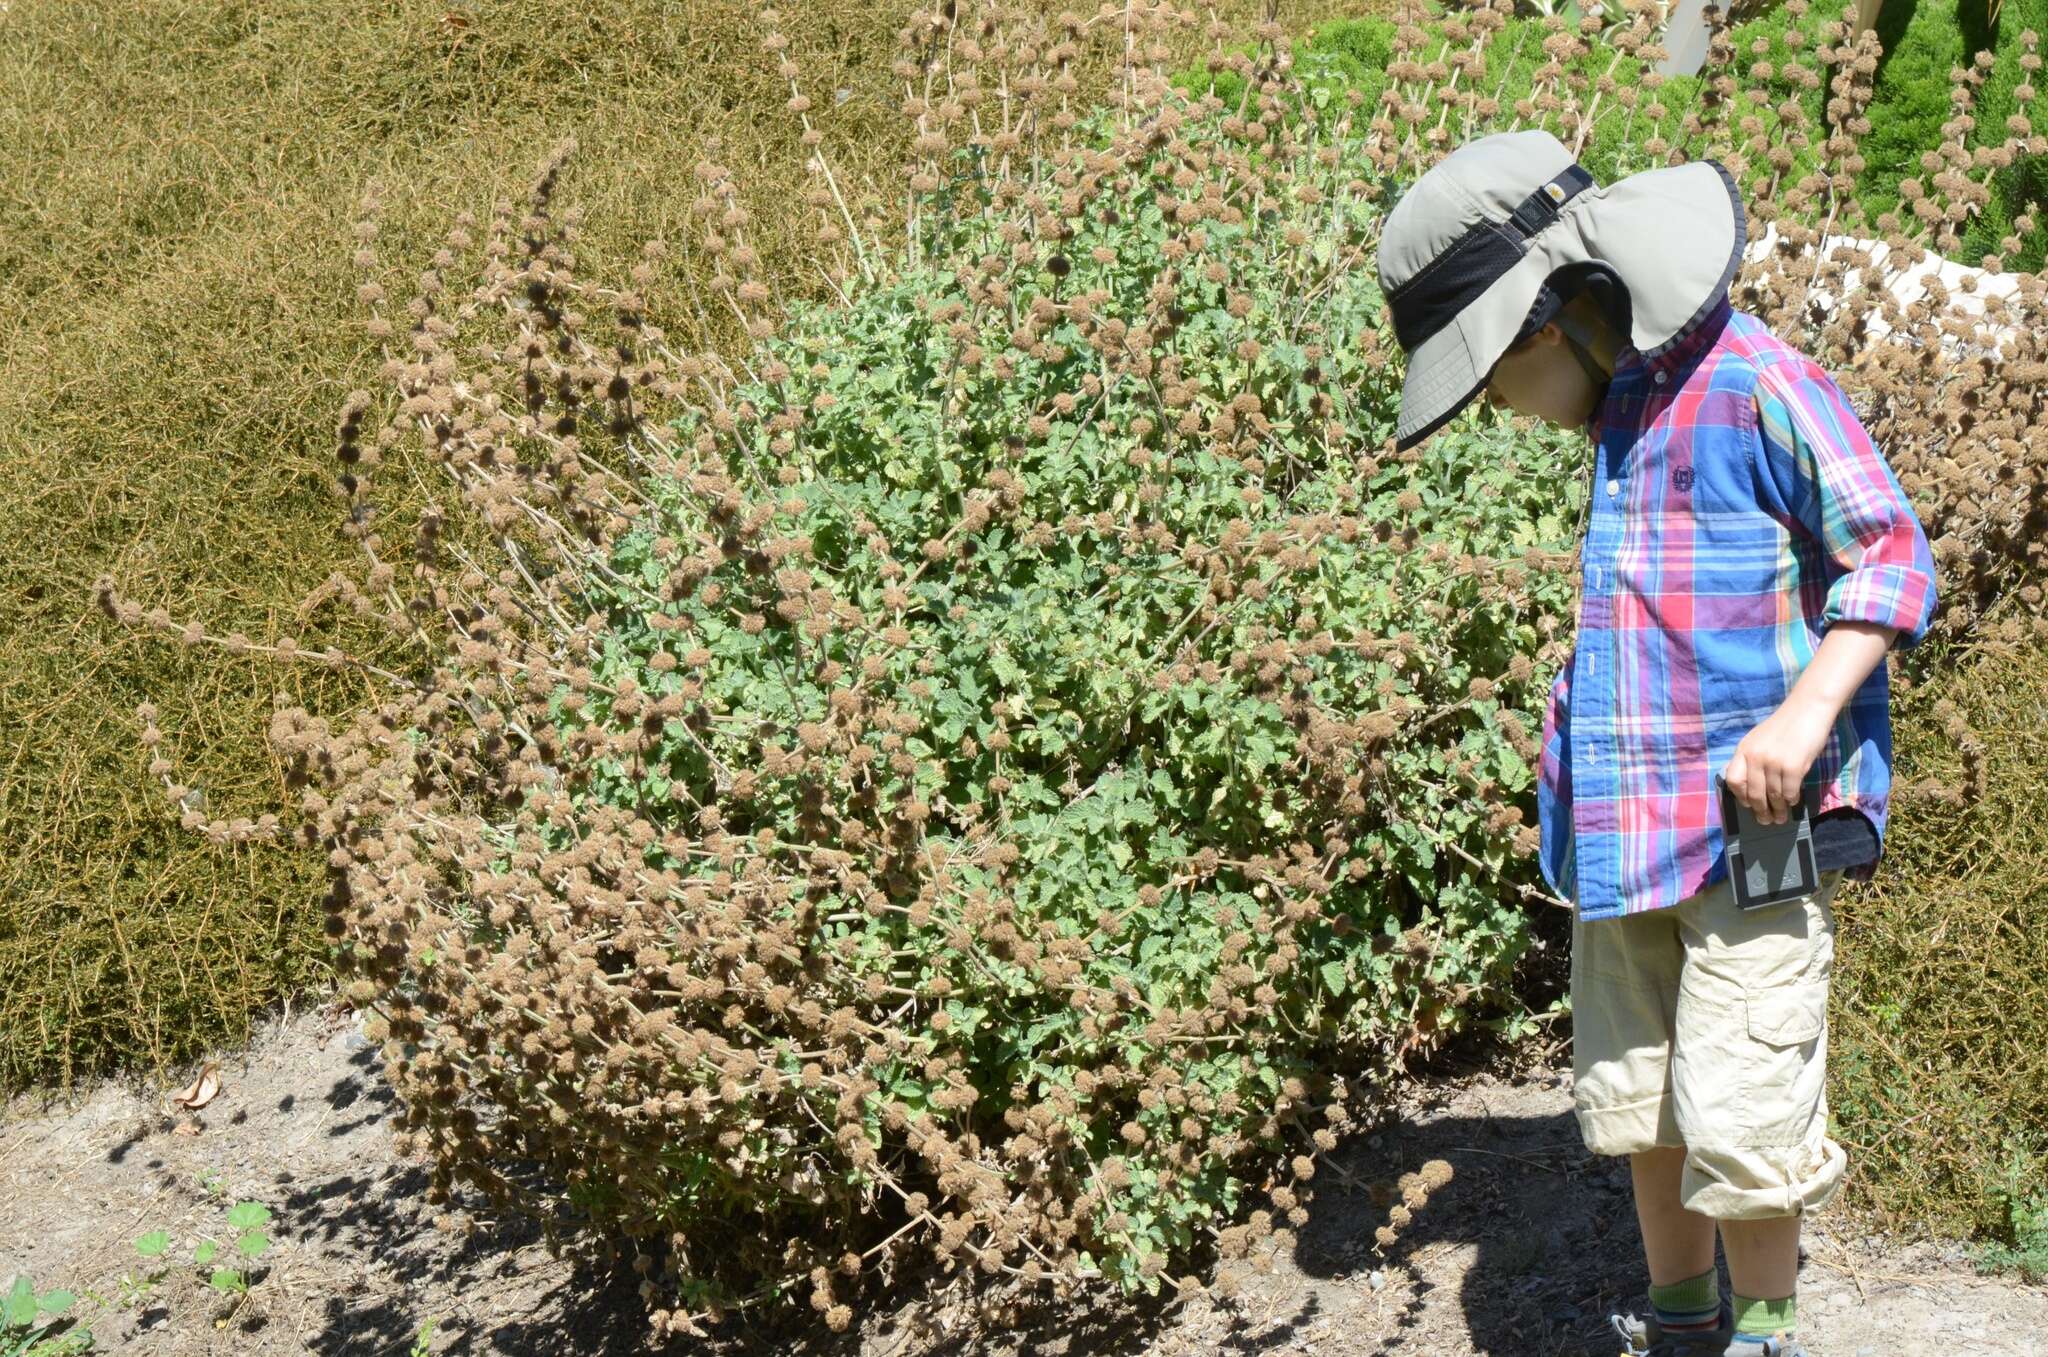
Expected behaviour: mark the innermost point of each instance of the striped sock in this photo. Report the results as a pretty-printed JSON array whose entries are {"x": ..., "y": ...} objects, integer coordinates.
[
  {"x": 1690, "y": 1306},
  {"x": 1760, "y": 1319}
]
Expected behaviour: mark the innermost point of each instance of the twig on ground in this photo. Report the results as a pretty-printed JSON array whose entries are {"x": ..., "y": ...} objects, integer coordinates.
[{"x": 1495, "y": 1154}]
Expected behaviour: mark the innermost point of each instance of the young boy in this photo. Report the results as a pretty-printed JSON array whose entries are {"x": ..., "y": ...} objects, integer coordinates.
[{"x": 1748, "y": 562}]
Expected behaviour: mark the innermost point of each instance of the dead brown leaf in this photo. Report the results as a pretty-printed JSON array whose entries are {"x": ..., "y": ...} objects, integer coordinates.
[{"x": 202, "y": 1090}]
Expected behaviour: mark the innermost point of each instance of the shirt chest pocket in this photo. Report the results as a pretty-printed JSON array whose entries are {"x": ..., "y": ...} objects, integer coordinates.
[{"x": 1692, "y": 548}]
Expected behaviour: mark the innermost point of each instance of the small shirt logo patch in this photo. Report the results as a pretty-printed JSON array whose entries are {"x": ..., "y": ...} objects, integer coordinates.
[{"x": 1681, "y": 478}]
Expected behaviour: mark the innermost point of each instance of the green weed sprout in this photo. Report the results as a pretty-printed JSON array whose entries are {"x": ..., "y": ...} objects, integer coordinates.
[
  {"x": 226, "y": 1264},
  {"x": 251, "y": 1242},
  {"x": 33, "y": 1324},
  {"x": 135, "y": 1288}
]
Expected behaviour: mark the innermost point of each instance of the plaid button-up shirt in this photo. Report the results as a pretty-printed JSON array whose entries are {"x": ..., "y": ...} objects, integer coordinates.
[{"x": 1738, "y": 509}]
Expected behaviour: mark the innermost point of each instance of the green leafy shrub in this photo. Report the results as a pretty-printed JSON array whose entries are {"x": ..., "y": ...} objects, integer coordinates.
[
  {"x": 1037, "y": 661},
  {"x": 1021, "y": 730}
]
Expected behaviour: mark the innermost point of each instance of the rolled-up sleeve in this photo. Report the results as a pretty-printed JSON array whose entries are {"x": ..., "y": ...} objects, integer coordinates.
[{"x": 1834, "y": 481}]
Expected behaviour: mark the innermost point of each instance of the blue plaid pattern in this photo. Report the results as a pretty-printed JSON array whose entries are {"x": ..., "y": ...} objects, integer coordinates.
[{"x": 1738, "y": 509}]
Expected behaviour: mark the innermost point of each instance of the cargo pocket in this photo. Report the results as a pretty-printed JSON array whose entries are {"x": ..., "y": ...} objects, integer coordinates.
[{"x": 1787, "y": 1059}]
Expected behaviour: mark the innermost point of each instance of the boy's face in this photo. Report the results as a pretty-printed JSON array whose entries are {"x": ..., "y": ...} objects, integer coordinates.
[{"x": 1541, "y": 378}]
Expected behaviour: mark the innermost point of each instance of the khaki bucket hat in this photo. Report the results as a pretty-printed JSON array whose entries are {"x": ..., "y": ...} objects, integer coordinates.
[{"x": 1479, "y": 252}]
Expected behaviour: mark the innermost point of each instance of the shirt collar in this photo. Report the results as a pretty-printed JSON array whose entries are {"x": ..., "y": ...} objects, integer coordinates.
[
  {"x": 1630, "y": 367},
  {"x": 1680, "y": 352}
]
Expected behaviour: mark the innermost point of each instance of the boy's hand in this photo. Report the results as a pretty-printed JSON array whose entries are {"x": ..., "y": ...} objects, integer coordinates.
[{"x": 1771, "y": 762}]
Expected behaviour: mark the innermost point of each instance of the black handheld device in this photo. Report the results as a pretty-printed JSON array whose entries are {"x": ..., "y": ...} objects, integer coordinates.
[{"x": 1767, "y": 864}]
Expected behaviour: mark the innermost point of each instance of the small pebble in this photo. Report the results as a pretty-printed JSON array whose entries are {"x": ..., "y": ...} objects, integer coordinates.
[
  {"x": 356, "y": 1041},
  {"x": 1377, "y": 1281}
]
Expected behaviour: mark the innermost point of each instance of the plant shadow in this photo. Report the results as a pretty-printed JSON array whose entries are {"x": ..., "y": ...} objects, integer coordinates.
[{"x": 1534, "y": 1237}]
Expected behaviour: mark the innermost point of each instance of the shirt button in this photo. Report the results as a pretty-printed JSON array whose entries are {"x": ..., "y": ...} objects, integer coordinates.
[
  {"x": 1659, "y": 378},
  {"x": 1614, "y": 487}
]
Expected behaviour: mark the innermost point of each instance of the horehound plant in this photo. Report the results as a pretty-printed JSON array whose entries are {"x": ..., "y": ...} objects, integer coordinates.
[{"x": 1009, "y": 760}]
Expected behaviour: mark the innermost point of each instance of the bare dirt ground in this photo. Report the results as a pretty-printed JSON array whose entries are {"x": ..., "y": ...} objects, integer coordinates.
[{"x": 1523, "y": 1255}]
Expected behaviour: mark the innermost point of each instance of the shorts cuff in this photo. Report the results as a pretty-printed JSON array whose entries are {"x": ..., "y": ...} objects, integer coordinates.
[
  {"x": 1630, "y": 1128},
  {"x": 1762, "y": 1184}
]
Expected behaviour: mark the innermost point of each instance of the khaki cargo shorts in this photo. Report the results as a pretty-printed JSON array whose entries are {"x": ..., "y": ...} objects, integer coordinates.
[{"x": 1703, "y": 1027}]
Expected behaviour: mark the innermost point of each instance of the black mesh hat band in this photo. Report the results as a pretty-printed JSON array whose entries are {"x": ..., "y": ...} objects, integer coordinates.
[{"x": 1425, "y": 303}]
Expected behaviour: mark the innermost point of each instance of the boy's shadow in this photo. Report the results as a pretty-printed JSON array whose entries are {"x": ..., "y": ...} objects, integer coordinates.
[{"x": 1542, "y": 1237}]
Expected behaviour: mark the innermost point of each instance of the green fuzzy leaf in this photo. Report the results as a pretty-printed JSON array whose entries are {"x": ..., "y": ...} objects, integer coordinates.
[
  {"x": 21, "y": 1304},
  {"x": 1333, "y": 976},
  {"x": 226, "y": 1280},
  {"x": 153, "y": 1244},
  {"x": 55, "y": 1302},
  {"x": 205, "y": 1252},
  {"x": 248, "y": 1215},
  {"x": 253, "y": 1243}
]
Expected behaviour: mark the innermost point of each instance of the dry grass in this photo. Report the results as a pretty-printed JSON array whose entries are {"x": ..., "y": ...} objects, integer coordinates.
[{"x": 176, "y": 336}]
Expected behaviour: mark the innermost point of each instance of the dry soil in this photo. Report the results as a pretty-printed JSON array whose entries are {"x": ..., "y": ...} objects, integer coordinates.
[{"x": 1524, "y": 1254}]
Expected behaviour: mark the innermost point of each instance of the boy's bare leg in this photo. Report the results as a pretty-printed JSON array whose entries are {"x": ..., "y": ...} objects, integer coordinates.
[
  {"x": 1677, "y": 1243},
  {"x": 1763, "y": 1256}
]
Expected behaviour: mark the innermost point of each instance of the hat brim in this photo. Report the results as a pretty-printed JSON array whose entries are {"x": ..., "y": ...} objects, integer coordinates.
[
  {"x": 1453, "y": 365},
  {"x": 1675, "y": 237}
]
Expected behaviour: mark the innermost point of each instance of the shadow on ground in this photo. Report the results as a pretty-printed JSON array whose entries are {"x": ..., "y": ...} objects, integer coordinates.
[
  {"x": 1547, "y": 1231},
  {"x": 1522, "y": 1254},
  {"x": 1537, "y": 1237}
]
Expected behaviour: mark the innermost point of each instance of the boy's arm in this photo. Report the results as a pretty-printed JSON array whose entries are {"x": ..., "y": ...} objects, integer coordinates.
[{"x": 1817, "y": 457}]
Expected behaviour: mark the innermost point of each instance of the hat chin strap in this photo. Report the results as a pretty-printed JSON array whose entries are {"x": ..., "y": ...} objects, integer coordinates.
[{"x": 1577, "y": 338}]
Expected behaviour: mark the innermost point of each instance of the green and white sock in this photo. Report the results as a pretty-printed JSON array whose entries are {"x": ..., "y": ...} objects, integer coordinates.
[
  {"x": 1690, "y": 1306},
  {"x": 1757, "y": 1320}
]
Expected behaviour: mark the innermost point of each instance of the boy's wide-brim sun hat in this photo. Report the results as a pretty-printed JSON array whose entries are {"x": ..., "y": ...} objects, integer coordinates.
[{"x": 1469, "y": 254}]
